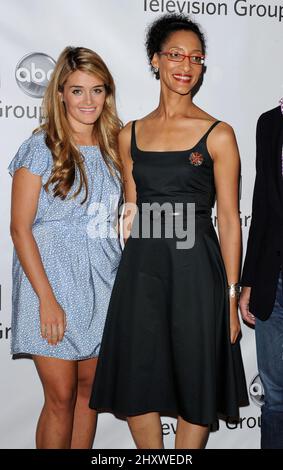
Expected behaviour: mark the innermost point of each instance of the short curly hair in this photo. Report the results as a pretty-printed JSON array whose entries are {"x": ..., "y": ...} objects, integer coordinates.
[{"x": 159, "y": 31}]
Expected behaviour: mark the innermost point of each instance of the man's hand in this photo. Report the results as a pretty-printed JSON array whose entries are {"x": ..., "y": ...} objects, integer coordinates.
[{"x": 247, "y": 316}]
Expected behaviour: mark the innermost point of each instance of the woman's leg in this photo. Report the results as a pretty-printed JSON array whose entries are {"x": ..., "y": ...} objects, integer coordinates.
[
  {"x": 146, "y": 430},
  {"x": 59, "y": 381},
  {"x": 84, "y": 418},
  {"x": 190, "y": 436}
]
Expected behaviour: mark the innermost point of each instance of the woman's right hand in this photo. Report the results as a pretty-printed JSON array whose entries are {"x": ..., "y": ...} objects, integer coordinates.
[{"x": 52, "y": 320}]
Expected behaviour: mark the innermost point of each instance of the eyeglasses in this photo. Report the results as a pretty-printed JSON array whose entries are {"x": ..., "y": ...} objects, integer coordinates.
[{"x": 174, "y": 56}]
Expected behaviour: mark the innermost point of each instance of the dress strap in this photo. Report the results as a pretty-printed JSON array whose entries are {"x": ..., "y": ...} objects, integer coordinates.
[
  {"x": 210, "y": 129},
  {"x": 133, "y": 139}
]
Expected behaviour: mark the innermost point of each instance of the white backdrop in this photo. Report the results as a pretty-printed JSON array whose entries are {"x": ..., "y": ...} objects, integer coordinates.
[{"x": 244, "y": 78}]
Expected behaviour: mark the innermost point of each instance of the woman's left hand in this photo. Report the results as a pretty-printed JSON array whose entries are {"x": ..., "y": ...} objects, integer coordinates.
[{"x": 235, "y": 326}]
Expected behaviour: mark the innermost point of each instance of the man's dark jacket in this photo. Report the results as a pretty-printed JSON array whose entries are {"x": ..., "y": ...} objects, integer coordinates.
[{"x": 265, "y": 244}]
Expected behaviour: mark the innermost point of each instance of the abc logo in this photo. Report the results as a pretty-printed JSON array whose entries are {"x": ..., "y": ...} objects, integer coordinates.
[
  {"x": 256, "y": 391},
  {"x": 33, "y": 73}
]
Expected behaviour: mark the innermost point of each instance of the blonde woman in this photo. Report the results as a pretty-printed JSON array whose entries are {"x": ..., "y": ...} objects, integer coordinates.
[{"x": 66, "y": 188}]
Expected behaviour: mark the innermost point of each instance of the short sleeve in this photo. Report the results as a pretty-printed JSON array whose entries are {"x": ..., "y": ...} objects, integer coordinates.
[{"x": 33, "y": 154}]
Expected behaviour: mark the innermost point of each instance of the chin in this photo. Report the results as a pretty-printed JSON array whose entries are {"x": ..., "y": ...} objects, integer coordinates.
[
  {"x": 182, "y": 90},
  {"x": 88, "y": 122}
]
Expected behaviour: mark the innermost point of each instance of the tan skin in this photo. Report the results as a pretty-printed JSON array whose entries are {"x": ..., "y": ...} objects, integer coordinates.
[
  {"x": 247, "y": 316},
  {"x": 66, "y": 421},
  {"x": 178, "y": 124}
]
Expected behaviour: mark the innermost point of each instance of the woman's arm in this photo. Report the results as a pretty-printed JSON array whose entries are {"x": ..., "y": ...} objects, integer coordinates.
[
  {"x": 224, "y": 150},
  {"x": 25, "y": 194},
  {"x": 129, "y": 183}
]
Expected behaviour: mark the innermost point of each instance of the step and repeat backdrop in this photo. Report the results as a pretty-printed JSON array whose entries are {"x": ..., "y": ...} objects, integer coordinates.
[{"x": 244, "y": 78}]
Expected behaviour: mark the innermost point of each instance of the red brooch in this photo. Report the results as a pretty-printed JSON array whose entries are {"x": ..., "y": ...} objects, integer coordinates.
[{"x": 196, "y": 158}]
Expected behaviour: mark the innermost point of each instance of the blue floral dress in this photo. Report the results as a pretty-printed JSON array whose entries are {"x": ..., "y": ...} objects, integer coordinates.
[{"x": 80, "y": 251}]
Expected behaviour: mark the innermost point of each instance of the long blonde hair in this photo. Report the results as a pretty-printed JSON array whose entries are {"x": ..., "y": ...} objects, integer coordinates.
[{"x": 67, "y": 158}]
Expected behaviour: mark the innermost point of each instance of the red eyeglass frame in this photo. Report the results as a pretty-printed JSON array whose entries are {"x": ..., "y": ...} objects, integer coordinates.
[{"x": 184, "y": 56}]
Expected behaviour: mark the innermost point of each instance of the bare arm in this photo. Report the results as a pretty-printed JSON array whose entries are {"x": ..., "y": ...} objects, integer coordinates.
[
  {"x": 129, "y": 183},
  {"x": 226, "y": 158},
  {"x": 25, "y": 193}
]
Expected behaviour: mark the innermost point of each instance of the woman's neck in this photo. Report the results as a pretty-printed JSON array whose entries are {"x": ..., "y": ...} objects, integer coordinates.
[
  {"x": 172, "y": 104},
  {"x": 84, "y": 139},
  {"x": 84, "y": 135}
]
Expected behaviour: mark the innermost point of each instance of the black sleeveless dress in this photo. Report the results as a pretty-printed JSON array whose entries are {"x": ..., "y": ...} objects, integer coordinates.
[{"x": 166, "y": 344}]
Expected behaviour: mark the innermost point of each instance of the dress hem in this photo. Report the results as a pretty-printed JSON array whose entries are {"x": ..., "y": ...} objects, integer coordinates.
[
  {"x": 169, "y": 413},
  {"x": 28, "y": 355}
]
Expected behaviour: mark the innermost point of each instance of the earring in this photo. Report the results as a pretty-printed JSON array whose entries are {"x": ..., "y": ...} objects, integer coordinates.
[{"x": 155, "y": 69}]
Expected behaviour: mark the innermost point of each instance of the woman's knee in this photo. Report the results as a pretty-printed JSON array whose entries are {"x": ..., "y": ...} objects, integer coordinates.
[
  {"x": 85, "y": 386},
  {"x": 61, "y": 399}
]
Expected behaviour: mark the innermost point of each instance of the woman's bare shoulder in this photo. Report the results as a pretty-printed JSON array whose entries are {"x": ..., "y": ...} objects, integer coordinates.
[{"x": 125, "y": 133}]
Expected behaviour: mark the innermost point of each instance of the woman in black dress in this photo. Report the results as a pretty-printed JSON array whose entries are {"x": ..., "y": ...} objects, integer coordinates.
[{"x": 170, "y": 341}]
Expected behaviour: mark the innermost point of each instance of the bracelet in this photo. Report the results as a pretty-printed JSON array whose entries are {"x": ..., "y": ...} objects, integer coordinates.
[{"x": 234, "y": 290}]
